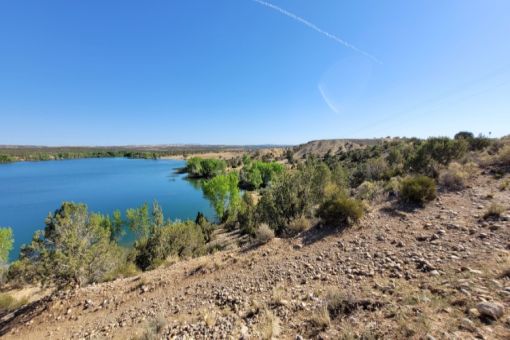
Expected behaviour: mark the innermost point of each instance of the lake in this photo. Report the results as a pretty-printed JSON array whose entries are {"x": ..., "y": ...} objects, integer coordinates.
[{"x": 30, "y": 190}]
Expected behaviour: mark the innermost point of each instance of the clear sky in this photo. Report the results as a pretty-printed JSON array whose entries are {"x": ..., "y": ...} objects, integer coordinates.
[{"x": 114, "y": 72}]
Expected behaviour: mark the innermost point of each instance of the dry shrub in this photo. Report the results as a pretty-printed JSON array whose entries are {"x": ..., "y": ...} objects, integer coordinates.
[
  {"x": 454, "y": 178},
  {"x": 299, "y": 225},
  {"x": 264, "y": 234},
  {"x": 320, "y": 320},
  {"x": 370, "y": 191},
  {"x": 268, "y": 326},
  {"x": 503, "y": 156},
  {"x": 494, "y": 211},
  {"x": 504, "y": 185},
  {"x": 9, "y": 303}
]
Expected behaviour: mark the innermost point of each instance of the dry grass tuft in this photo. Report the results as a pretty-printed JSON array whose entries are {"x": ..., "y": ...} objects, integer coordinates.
[
  {"x": 268, "y": 326},
  {"x": 494, "y": 211},
  {"x": 264, "y": 234},
  {"x": 9, "y": 303}
]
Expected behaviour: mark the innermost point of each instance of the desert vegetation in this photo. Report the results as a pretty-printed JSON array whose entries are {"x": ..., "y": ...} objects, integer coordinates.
[{"x": 259, "y": 200}]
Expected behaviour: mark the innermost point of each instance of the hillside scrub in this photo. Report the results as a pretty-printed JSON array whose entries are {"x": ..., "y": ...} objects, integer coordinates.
[
  {"x": 294, "y": 194},
  {"x": 181, "y": 239},
  {"x": 454, "y": 178},
  {"x": 435, "y": 152},
  {"x": 418, "y": 189},
  {"x": 341, "y": 211}
]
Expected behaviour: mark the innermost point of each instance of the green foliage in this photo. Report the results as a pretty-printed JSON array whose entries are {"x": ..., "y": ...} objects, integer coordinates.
[
  {"x": 205, "y": 168},
  {"x": 257, "y": 174},
  {"x": 418, "y": 189},
  {"x": 294, "y": 194},
  {"x": 183, "y": 239},
  {"x": 75, "y": 248},
  {"x": 475, "y": 143},
  {"x": 139, "y": 221},
  {"x": 6, "y": 242},
  {"x": 437, "y": 151},
  {"x": 206, "y": 226},
  {"x": 341, "y": 211},
  {"x": 464, "y": 135},
  {"x": 6, "y": 159},
  {"x": 223, "y": 192},
  {"x": 246, "y": 216}
]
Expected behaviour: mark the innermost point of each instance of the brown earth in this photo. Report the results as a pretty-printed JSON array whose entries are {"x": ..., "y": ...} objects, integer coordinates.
[{"x": 399, "y": 274}]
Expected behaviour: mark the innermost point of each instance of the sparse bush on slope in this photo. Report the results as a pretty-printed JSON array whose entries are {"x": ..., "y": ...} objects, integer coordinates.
[
  {"x": 418, "y": 189},
  {"x": 264, "y": 234},
  {"x": 341, "y": 211},
  {"x": 454, "y": 178}
]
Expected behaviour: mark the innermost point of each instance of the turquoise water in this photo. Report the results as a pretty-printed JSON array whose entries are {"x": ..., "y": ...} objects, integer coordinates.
[{"x": 30, "y": 190}]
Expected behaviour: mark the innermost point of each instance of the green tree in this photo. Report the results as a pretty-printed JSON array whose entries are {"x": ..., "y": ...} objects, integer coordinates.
[
  {"x": 223, "y": 192},
  {"x": 139, "y": 221},
  {"x": 74, "y": 248}
]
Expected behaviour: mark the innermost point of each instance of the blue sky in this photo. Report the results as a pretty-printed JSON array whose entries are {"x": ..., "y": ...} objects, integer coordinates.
[{"x": 239, "y": 72}]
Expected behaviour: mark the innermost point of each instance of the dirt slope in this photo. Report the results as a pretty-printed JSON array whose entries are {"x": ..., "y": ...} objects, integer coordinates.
[{"x": 399, "y": 274}]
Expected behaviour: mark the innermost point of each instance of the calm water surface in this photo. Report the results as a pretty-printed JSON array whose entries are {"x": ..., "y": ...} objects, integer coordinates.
[{"x": 30, "y": 190}]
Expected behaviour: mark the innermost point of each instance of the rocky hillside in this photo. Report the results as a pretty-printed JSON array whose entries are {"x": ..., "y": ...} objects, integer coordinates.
[
  {"x": 319, "y": 148},
  {"x": 442, "y": 272}
]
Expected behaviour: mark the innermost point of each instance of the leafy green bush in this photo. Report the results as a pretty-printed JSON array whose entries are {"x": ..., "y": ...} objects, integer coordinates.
[
  {"x": 74, "y": 248},
  {"x": 341, "y": 211},
  {"x": 223, "y": 191},
  {"x": 205, "y": 168},
  {"x": 257, "y": 174},
  {"x": 418, "y": 189}
]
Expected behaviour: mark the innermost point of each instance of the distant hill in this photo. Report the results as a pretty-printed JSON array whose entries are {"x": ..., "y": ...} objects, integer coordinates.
[{"x": 320, "y": 148}]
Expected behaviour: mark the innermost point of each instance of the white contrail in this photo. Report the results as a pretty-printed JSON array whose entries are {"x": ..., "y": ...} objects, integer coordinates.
[
  {"x": 327, "y": 101},
  {"x": 315, "y": 28}
]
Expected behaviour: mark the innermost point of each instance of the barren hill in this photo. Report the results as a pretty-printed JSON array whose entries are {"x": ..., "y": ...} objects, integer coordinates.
[
  {"x": 331, "y": 146},
  {"x": 441, "y": 272}
]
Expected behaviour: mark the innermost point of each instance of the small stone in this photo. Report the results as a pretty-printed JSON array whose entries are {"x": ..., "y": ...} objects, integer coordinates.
[{"x": 492, "y": 310}]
